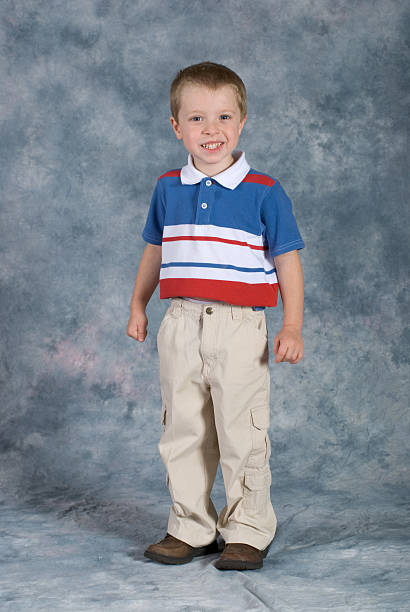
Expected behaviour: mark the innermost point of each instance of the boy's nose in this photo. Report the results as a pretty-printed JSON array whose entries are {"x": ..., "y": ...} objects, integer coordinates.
[{"x": 211, "y": 128}]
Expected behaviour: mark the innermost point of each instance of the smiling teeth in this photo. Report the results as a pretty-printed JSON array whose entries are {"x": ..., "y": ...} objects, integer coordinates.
[{"x": 212, "y": 146}]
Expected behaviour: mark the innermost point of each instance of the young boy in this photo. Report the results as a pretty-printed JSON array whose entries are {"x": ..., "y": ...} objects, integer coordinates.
[{"x": 222, "y": 238}]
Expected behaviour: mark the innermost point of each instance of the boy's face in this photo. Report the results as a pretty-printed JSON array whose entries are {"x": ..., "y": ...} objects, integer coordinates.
[{"x": 208, "y": 116}]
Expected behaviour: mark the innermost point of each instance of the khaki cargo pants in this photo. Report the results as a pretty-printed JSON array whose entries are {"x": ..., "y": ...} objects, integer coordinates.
[{"x": 215, "y": 386}]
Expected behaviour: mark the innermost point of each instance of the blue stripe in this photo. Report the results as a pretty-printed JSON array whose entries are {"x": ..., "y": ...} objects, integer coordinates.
[{"x": 211, "y": 265}]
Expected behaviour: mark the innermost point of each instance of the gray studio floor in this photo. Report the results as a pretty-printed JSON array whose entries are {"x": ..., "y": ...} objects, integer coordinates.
[{"x": 333, "y": 551}]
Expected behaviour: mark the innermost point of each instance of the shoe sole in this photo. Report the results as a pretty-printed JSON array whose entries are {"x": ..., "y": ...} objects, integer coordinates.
[
  {"x": 237, "y": 564},
  {"x": 197, "y": 552}
]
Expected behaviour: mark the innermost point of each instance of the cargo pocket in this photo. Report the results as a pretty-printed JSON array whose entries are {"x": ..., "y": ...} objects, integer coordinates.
[
  {"x": 256, "y": 489},
  {"x": 259, "y": 432}
]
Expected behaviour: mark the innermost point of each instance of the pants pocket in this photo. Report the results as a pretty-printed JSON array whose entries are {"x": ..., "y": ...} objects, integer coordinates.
[
  {"x": 256, "y": 489},
  {"x": 257, "y": 321},
  {"x": 173, "y": 313},
  {"x": 162, "y": 325},
  {"x": 259, "y": 431}
]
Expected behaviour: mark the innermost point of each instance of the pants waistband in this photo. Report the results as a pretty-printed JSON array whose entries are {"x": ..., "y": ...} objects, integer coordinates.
[{"x": 237, "y": 311}]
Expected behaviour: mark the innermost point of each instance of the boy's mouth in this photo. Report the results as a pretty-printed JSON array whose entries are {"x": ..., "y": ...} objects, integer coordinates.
[{"x": 212, "y": 146}]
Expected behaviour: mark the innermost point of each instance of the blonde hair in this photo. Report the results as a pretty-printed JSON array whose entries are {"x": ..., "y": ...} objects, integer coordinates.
[{"x": 212, "y": 76}]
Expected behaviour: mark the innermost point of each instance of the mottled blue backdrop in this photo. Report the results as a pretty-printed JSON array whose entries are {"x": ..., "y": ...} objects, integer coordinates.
[{"x": 84, "y": 133}]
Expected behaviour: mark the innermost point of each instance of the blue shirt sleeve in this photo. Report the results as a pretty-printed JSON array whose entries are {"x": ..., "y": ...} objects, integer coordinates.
[
  {"x": 279, "y": 224},
  {"x": 154, "y": 224}
]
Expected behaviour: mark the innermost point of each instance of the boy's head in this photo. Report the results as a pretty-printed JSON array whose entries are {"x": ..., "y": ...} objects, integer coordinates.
[{"x": 208, "y": 106}]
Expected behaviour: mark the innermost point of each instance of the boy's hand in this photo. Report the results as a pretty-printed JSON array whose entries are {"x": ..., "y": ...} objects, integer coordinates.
[
  {"x": 288, "y": 345},
  {"x": 137, "y": 325}
]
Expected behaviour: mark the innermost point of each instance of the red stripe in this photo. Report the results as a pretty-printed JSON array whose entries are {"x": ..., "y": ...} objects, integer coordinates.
[
  {"x": 170, "y": 173},
  {"x": 217, "y": 239},
  {"x": 242, "y": 294},
  {"x": 262, "y": 179}
]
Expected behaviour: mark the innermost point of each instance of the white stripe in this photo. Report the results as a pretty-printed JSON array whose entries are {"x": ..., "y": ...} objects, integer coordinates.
[
  {"x": 230, "y": 233},
  {"x": 224, "y": 253},
  {"x": 223, "y": 274}
]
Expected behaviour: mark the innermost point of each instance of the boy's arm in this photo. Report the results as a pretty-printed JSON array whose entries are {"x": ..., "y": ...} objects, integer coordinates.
[
  {"x": 145, "y": 285},
  {"x": 288, "y": 344},
  {"x": 147, "y": 276},
  {"x": 290, "y": 277}
]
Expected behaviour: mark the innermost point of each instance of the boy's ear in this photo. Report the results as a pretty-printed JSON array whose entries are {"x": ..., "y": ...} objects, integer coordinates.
[
  {"x": 176, "y": 128},
  {"x": 242, "y": 123}
]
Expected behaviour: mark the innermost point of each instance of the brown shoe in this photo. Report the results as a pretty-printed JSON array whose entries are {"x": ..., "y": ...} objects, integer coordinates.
[
  {"x": 174, "y": 551},
  {"x": 240, "y": 556}
]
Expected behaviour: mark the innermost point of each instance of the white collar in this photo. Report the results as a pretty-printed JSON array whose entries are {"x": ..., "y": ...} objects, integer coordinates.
[{"x": 231, "y": 177}]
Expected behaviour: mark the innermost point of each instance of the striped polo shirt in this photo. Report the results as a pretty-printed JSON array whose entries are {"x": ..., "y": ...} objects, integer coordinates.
[{"x": 219, "y": 234}]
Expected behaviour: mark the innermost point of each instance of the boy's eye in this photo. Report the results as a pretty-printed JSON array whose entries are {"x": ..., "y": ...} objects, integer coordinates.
[{"x": 198, "y": 117}]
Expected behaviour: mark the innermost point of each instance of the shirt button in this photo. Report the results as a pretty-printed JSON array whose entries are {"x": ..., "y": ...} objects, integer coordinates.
[
  {"x": 208, "y": 183},
  {"x": 204, "y": 204}
]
